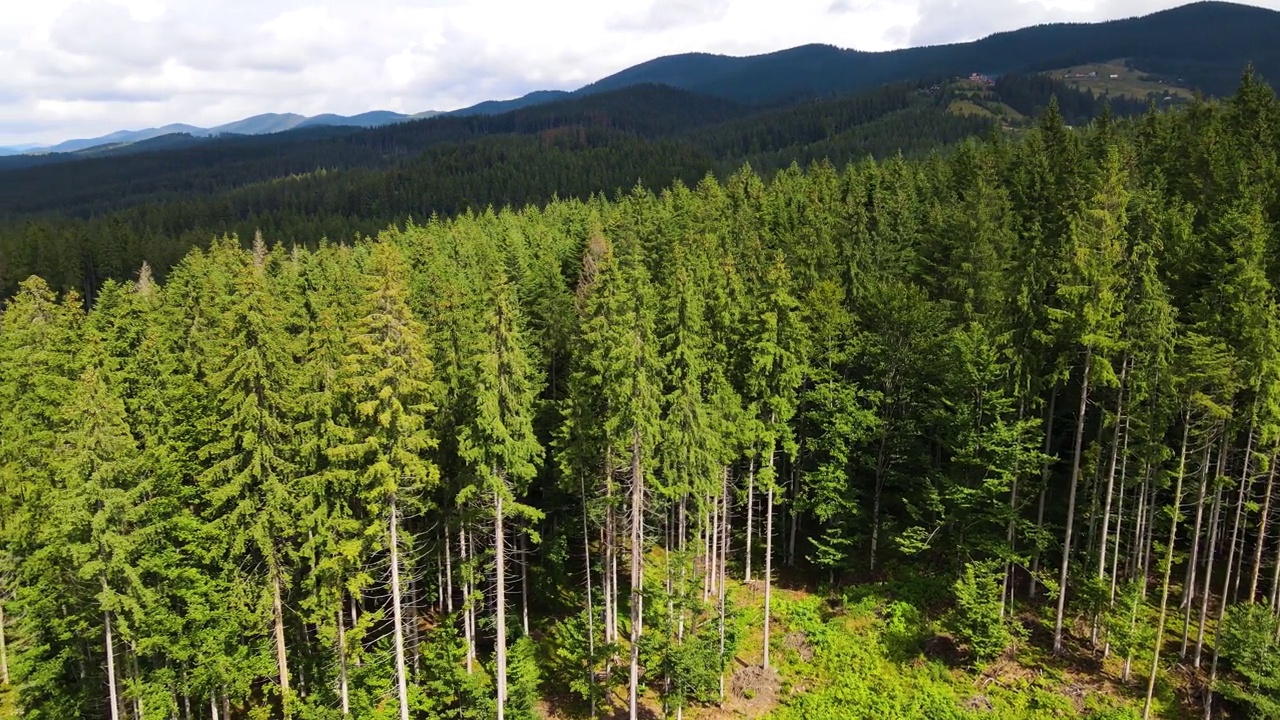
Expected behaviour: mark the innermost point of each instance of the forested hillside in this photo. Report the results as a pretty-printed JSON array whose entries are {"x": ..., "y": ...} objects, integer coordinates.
[
  {"x": 81, "y": 222},
  {"x": 1012, "y": 410}
]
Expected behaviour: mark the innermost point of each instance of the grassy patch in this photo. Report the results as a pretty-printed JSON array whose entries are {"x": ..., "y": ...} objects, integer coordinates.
[{"x": 1128, "y": 82}]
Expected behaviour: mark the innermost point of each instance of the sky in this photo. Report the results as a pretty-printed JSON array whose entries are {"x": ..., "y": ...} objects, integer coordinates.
[{"x": 83, "y": 68}]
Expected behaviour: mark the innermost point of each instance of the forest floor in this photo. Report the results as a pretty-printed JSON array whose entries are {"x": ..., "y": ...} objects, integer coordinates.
[{"x": 863, "y": 654}]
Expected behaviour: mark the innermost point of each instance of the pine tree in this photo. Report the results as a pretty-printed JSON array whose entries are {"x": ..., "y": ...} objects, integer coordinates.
[
  {"x": 499, "y": 443},
  {"x": 389, "y": 380}
]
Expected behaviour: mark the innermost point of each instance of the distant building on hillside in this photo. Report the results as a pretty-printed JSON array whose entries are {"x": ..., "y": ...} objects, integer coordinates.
[{"x": 981, "y": 79}]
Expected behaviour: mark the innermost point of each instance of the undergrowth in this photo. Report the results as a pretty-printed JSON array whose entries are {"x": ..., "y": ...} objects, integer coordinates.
[{"x": 867, "y": 656}]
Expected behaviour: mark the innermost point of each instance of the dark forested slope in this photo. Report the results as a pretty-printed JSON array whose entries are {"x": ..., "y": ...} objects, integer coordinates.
[{"x": 79, "y": 223}]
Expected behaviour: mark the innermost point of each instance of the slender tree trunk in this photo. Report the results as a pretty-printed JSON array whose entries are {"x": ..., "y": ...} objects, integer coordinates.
[
  {"x": 1208, "y": 570},
  {"x": 1044, "y": 489},
  {"x": 768, "y": 552},
  {"x": 343, "y": 692},
  {"x": 402, "y": 686},
  {"x": 1189, "y": 585},
  {"x": 1246, "y": 480},
  {"x": 1263, "y": 520},
  {"x": 109, "y": 639},
  {"x": 1116, "y": 441},
  {"x": 282, "y": 662},
  {"x": 768, "y": 574},
  {"x": 1115, "y": 551},
  {"x": 186, "y": 706},
  {"x": 524, "y": 583},
  {"x": 1168, "y": 568},
  {"x": 591, "y": 610},
  {"x": 137, "y": 679},
  {"x": 882, "y": 459},
  {"x": 448, "y": 570},
  {"x": 724, "y": 554},
  {"x": 751, "y": 502},
  {"x": 1006, "y": 588},
  {"x": 1133, "y": 561},
  {"x": 473, "y": 608},
  {"x": 637, "y": 571},
  {"x": 213, "y": 706},
  {"x": 1071, "y": 503},
  {"x": 713, "y": 562},
  {"x": 500, "y": 554},
  {"x": 467, "y": 628},
  {"x": 226, "y": 704},
  {"x": 795, "y": 518},
  {"x": 4, "y": 649}
]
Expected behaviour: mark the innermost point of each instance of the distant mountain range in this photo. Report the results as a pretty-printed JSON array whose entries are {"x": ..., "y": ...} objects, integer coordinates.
[
  {"x": 256, "y": 125},
  {"x": 1173, "y": 45}
]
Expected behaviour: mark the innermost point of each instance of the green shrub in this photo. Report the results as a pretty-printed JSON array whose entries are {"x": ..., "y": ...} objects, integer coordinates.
[
  {"x": 975, "y": 621},
  {"x": 1249, "y": 643}
]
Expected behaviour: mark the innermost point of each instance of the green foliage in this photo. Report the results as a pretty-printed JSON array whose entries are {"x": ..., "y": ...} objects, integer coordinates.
[
  {"x": 1249, "y": 642},
  {"x": 525, "y": 680},
  {"x": 976, "y": 621}
]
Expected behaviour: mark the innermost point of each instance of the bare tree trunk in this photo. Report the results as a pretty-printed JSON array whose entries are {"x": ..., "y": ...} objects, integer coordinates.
[
  {"x": 795, "y": 518},
  {"x": 1263, "y": 520},
  {"x": 467, "y": 628},
  {"x": 137, "y": 679},
  {"x": 591, "y": 610},
  {"x": 637, "y": 571},
  {"x": 1246, "y": 480},
  {"x": 473, "y": 608},
  {"x": 524, "y": 583},
  {"x": 1071, "y": 504},
  {"x": 1116, "y": 440},
  {"x": 448, "y": 570},
  {"x": 226, "y": 704},
  {"x": 112, "y": 695},
  {"x": 4, "y": 650},
  {"x": 1189, "y": 585},
  {"x": 213, "y": 705},
  {"x": 1044, "y": 487},
  {"x": 1115, "y": 551},
  {"x": 186, "y": 706},
  {"x": 724, "y": 554},
  {"x": 500, "y": 554},
  {"x": 1208, "y": 570},
  {"x": 882, "y": 467},
  {"x": 751, "y": 502},
  {"x": 282, "y": 662},
  {"x": 768, "y": 573},
  {"x": 1168, "y": 568},
  {"x": 402, "y": 686},
  {"x": 713, "y": 561},
  {"x": 343, "y": 691}
]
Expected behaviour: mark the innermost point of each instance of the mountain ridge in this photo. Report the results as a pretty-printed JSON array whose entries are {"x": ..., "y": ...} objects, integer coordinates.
[
  {"x": 262, "y": 124},
  {"x": 1169, "y": 43}
]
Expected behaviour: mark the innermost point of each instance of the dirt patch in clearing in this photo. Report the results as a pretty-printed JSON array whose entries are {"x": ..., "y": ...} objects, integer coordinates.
[
  {"x": 979, "y": 703},
  {"x": 798, "y": 642}
]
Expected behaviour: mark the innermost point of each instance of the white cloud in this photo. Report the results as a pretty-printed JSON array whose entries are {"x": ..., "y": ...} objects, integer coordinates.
[{"x": 76, "y": 68}]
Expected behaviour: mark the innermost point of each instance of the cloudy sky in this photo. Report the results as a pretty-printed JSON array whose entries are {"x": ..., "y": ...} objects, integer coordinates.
[{"x": 77, "y": 68}]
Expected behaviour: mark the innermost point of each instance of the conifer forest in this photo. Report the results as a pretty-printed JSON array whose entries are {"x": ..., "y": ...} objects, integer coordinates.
[{"x": 847, "y": 438}]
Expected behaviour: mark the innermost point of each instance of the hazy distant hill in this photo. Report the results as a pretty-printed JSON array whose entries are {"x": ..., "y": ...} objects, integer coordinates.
[{"x": 256, "y": 125}]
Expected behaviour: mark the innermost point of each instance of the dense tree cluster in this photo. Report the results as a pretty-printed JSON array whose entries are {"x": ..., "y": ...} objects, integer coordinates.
[{"x": 437, "y": 473}]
